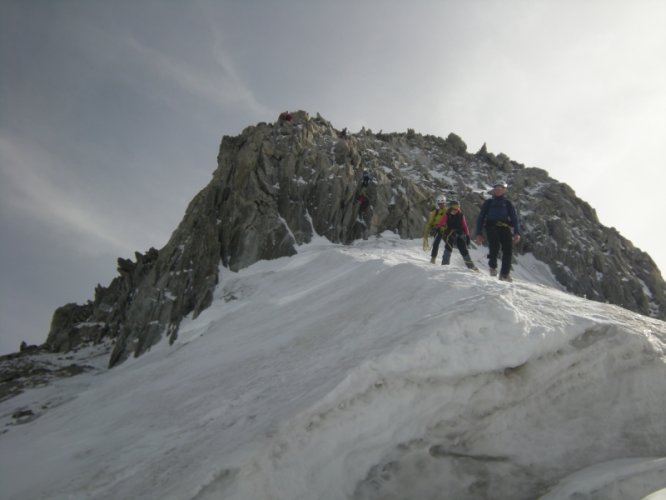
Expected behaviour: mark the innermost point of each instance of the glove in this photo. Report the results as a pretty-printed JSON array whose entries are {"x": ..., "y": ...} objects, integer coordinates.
[
  {"x": 467, "y": 240},
  {"x": 426, "y": 244}
]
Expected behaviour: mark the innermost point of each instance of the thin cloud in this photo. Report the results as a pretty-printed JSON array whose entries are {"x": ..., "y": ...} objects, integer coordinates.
[
  {"x": 30, "y": 189},
  {"x": 223, "y": 88}
]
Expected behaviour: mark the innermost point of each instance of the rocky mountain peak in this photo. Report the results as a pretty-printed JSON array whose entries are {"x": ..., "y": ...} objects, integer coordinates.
[{"x": 278, "y": 184}]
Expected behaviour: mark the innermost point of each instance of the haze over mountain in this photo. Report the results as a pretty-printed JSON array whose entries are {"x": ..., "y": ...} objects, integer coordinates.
[{"x": 110, "y": 112}]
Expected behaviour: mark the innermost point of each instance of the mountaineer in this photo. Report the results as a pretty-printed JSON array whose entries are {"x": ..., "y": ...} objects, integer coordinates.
[
  {"x": 430, "y": 229},
  {"x": 454, "y": 230},
  {"x": 498, "y": 217}
]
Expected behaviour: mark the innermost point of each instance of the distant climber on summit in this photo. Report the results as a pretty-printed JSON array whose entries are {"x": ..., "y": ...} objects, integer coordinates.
[
  {"x": 498, "y": 217},
  {"x": 285, "y": 116},
  {"x": 453, "y": 228},
  {"x": 430, "y": 229}
]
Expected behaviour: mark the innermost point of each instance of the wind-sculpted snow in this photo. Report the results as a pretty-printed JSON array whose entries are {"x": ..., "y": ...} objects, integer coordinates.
[{"x": 365, "y": 372}]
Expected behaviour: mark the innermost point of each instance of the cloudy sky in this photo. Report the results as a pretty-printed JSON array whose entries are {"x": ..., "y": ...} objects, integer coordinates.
[{"x": 111, "y": 113}]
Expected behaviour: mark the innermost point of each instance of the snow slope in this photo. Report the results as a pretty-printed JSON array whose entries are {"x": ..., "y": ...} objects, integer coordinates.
[{"x": 362, "y": 372}]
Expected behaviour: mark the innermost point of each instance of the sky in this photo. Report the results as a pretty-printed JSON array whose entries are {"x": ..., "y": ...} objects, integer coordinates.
[
  {"x": 308, "y": 386},
  {"x": 111, "y": 113}
]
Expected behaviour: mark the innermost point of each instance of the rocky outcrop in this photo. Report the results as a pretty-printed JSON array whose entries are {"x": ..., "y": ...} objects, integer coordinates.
[
  {"x": 33, "y": 366},
  {"x": 589, "y": 259},
  {"x": 277, "y": 185}
]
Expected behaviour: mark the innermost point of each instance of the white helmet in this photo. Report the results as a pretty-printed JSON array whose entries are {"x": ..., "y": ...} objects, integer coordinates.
[
  {"x": 501, "y": 183},
  {"x": 441, "y": 199}
]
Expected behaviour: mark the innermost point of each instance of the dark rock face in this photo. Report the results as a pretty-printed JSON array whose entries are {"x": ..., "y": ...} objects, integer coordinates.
[{"x": 276, "y": 185}]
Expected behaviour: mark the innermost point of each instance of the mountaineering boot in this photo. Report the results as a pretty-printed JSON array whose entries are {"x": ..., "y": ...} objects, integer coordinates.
[
  {"x": 469, "y": 263},
  {"x": 493, "y": 271},
  {"x": 446, "y": 258},
  {"x": 505, "y": 277},
  {"x": 432, "y": 260}
]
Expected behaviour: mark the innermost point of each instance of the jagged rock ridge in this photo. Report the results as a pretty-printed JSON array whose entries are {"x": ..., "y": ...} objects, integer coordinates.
[{"x": 277, "y": 184}]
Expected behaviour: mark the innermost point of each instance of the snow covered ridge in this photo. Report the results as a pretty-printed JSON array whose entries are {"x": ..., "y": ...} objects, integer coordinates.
[
  {"x": 363, "y": 372},
  {"x": 280, "y": 185}
]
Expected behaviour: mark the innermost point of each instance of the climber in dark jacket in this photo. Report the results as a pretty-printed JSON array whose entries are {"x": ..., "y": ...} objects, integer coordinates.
[{"x": 498, "y": 217}]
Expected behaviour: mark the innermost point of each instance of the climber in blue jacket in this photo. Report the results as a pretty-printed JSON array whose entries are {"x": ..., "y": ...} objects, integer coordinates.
[{"x": 498, "y": 217}]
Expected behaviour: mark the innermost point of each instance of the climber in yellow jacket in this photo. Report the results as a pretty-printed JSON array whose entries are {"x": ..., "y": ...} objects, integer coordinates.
[{"x": 431, "y": 229}]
